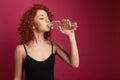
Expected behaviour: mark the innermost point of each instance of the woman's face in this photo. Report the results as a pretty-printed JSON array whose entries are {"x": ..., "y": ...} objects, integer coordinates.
[{"x": 41, "y": 21}]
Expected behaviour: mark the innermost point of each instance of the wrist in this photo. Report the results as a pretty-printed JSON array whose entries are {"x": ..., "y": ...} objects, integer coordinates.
[{"x": 71, "y": 35}]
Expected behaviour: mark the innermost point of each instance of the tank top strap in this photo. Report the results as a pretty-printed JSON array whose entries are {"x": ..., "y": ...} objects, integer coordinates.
[
  {"x": 25, "y": 49},
  {"x": 52, "y": 47}
]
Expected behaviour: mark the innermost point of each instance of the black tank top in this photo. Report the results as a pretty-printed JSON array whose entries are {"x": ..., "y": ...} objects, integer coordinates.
[{"x": 39, "y": 70}]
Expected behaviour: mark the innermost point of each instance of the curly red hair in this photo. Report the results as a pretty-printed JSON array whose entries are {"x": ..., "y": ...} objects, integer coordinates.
[{"x": 26, "y": 23}]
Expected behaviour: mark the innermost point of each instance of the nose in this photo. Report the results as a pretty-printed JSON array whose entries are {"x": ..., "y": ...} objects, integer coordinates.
[{"x": 47, "y": 20}]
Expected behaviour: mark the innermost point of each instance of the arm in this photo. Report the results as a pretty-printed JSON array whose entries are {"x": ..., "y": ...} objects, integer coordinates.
[
  {"x": 73, "y": 58},
  {"x": 18, "y": 60}
]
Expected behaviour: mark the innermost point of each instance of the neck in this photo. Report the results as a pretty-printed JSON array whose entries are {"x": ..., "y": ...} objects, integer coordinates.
[{"x": 39, "y": 38}]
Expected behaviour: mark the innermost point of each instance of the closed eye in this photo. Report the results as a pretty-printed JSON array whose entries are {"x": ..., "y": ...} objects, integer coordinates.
[{"x": 41, "y": 18}]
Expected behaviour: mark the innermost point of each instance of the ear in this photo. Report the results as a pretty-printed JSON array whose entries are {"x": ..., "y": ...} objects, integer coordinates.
[{"x": 33, "y": 27}]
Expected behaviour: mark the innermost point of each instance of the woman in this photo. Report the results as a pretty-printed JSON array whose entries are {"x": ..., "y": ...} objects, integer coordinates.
[{"x": 36, "y": 54}]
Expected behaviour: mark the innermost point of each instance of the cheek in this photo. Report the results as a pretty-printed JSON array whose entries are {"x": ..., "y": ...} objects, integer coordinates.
[
  {"x": 41, "y": 25},
  {"x": 37, "y": 24}
]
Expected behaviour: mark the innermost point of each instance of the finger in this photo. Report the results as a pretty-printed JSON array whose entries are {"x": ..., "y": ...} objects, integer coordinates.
[
  {"x": 63, "y": 20},
  {"x": 68, "y": 21},
  {"x": 60, "y": 28}
]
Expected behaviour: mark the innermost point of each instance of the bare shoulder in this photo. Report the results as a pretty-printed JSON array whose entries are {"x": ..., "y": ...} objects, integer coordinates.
[
  {"x": 19, "y": 51},
  {"x": 56, "y": 44},
  {"x": 57, "y": 47}
]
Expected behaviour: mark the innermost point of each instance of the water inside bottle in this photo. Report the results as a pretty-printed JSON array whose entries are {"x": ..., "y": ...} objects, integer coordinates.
[{"x": 56, "y": 24}]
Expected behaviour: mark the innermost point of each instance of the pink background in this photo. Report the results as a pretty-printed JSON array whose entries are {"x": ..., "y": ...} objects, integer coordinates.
[{"x": 98, "y": 37}]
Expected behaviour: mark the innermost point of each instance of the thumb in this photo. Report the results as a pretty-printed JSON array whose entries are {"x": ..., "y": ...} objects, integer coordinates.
[{"x": 60, "y": 29}]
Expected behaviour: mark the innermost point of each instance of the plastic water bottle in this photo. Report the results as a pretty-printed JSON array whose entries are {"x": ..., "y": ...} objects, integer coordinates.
[{"x": 56, "y": 24}]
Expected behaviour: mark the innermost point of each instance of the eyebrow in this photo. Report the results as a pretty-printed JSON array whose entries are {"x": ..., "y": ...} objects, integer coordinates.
[{"x": 42, "y": 15}]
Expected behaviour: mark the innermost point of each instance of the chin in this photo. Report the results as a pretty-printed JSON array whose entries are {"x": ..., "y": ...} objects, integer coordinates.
[{"x": 47, "y": 30}]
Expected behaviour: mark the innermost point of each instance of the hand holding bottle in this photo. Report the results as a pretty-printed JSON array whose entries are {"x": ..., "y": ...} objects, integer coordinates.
[{"x": 66, "y": 27}]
